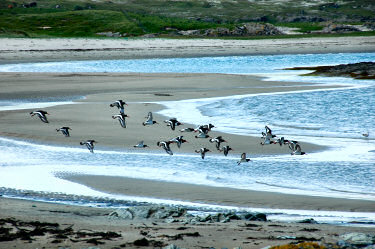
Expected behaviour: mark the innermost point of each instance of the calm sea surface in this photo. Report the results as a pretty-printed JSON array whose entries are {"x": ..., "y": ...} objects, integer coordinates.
[{"x": 335, "y": 118}]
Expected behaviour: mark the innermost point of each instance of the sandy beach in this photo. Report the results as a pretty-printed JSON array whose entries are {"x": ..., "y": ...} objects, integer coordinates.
[{"x": 90, "y": 118}]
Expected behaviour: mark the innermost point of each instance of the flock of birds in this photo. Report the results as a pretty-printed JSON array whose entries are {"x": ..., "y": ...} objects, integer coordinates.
[{"x": 267, "y": 137}]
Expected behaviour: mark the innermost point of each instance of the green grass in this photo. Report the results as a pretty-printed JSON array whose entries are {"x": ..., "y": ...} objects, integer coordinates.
[
  {"x": 85, "y": 18},
  {"x": 70, "y": 23}
]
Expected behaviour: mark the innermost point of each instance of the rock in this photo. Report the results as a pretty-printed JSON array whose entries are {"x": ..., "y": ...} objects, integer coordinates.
[
  {"x": 361, "y": 70},
  {"x": 285, "y": 237},
  {"x": 260, "y": 29},
  {"x": 248, "y": 29},
  {"x": 110, "y": 34},
  {"x": 141, "y": 242},
  {"x": 189, "y": 32},
  {"x": 342, "y": 244},
  {"x": 339, "y": 28},
  {"x": 308, "y": 221},
  {"x": 146, "y": 212},
  {"x": 358, "y": 239},
  {"x": 165, "y": 212},
  {"x": 170, "y": 220},
  {"x": 254, "y": 217},
  {"x": 143, "y": 212},
  {"x": 121, "y": 213},
  {"x": 149, "y": 36}
]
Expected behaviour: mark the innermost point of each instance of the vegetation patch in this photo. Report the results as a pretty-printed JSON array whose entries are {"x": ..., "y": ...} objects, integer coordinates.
[{"x": 166, "y": 18}]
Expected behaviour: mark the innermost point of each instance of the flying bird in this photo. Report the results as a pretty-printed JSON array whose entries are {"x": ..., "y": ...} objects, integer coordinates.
[
  {"x": 295, "y": 147},
  {"x": 178, "y": 140},
  {"x": 366, "y": 134},
  {"x": 202, "y": 151},
  {"x": 119, "y": 104},
  {"x": 89, "y": 144},
  {"x": 121, "y": 118},
  {"x": 165, "y": 146},
  {"x": 226, "y": 149},
  {"x": 243, "y": 159},
  {"x": 64, "y": 130},
  {"x": 149, "y": 120},
  {"x": 172, "y": 123},
  {"x": 218, "y": 140},
  {"x": 140, "y": 145},
  {"x": 204, "y": 128},
  {"x": 41, "y": 114},
  {"x": 202, "y": 135}
]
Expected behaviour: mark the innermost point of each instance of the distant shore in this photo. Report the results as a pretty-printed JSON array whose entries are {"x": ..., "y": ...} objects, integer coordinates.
[
  {"x": 139, "y": 90},
  {"x": 18, "y": 50}
]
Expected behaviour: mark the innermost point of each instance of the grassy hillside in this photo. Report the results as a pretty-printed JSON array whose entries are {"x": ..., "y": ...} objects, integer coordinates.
[{"x": 77, "y": 18}]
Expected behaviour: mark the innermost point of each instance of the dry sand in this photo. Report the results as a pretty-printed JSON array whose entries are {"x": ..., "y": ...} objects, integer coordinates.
[
  {"x": 25, "y": 50},
  {"x": 91, "y": 119}
]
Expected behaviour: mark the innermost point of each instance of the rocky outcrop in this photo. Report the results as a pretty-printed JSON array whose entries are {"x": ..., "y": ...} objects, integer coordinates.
[
  {"x": 176, "y": 214},
  {"x": 248, "y": 29},
  {"x": 339, "y": 28},
  {"x": 357, "y": 239},
  {"x": 361, "y": 70},
  {"x": 111, "y": 34},
  {"x": 147, "y": 212}
]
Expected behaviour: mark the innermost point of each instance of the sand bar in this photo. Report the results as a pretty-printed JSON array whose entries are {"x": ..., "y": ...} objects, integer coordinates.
[{"x": 218, "y": 195}]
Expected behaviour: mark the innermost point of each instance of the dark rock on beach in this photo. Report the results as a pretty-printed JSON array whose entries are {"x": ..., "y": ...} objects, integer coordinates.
[
  {"x": 177, "y": 214},
  {"x": 361, "y": 70}
]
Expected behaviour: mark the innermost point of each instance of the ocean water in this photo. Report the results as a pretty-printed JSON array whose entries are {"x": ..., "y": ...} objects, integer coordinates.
[{"x": 335, "y": 118}]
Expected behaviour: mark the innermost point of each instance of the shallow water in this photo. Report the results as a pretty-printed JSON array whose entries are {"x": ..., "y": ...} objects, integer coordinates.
[{"x": 335, "y": 118}]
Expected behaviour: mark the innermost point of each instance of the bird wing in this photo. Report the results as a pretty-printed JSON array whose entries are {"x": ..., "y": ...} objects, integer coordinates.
[
  {"x": 149, "y": 117},
  {"x": 291, "y": 146},
  {"x": 298, "y": 148}
]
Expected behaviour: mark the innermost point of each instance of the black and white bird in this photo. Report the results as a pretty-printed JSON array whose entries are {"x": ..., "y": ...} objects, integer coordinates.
[
  {"x": 140, "y": 145},
  {"x": 204, "y": 128},
  {"x": 178, "y": 140},
  {"x": 64, "y": 130},
  {"x": 172, "y": 123},
  {"x": 89, "y": 144},
  {"x": 366, "y": 134},
  {"x": 281, "y": 141},
  {"x": 202, "y": 135},
  {"x": 121, "y": 118},
  {"x": 41, "y": 114},
  {"x": 203, "y": 152},
  {"x": 243, "y": 159},
  {"x": 119, "y": 104},
  {"x": 295, "y": 148},
  {"x": 226, "y": 149},
  {"x": 149, "y": 120},
  {"x": 218, "y": 140},
  {"x": 268, "y": 137},
  {"x": 165, "y": 146}
]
